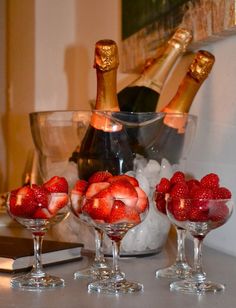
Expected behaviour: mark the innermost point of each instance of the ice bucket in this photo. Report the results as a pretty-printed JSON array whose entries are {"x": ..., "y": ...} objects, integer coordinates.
[{"x": 158, "y": 142}]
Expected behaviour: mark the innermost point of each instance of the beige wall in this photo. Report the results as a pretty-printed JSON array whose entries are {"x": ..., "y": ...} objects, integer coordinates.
[
  {"x": 21, "y": 85},
  {"x": 3, "y": 137},
  {"x": 51, "y": 49}
]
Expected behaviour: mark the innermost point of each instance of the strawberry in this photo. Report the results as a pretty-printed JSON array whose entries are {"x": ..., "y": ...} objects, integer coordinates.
[
  {"x": 122, "y": 189},
  {"x": 199, "y": 211},
  {"x": 177, "y": 177},
  {"x": 56, "y": 185},
  {"x": 42, "y": 195},
  {"x": 76, "y": 202},
  {"x": 218, "y": 212},
  {"x": 160, "y": 202},
  {"x": 42, "y": 213},
  {"x": 99, "y": 176},
  {"x": 202, "y": 193},
  {"x": 80, "y": 187},
  {"x": 211, "y": 180},
  {"x": 221, "y": 193},
  {"x": 95, "y": 188},
  {"x": 163, "y": 186},
  {"x": 121, "y": 213},
  {"x": 179, "y": 190},
  {"x": 133, "y": 181},
  {"x": 22, "y": 202},
  {"x": 57, "y": 202},
  {"x": 180, "y": 208},
  {"x": 142, "y": 203},
  {"x": 193, "y": 184},
  {"x": 98, "y": 208}
]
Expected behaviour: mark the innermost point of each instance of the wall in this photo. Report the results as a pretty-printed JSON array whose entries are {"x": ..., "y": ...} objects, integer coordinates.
[
  {"x": 214, "y": 149},
  {"x": 3, "y": 141},
  {"x": 63, "y": 78}
]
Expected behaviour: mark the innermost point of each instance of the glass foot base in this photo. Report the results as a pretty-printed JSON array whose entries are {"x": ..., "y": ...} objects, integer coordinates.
[
  {"x": 179, "y": 270},
  {"x": 31, "y": 282},
  {"x": 193, "y": 287},
  {"x": 93, "y": 273},
  {"x": 115, "y": 287}
]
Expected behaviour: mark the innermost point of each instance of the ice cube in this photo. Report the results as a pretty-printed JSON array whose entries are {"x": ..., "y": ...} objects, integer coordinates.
[
  {"x": 151, "y": 172},
  {"x": 140, "y": 163},
  {"x": 166, "y": 170}
]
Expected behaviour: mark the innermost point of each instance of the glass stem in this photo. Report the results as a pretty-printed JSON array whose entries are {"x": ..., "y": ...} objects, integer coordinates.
[
  {"x": 116, "y": 256},
  {"x": 99, "y": 256},
  {"x": 181, "y": 235},
  {"x": 37, "y": 269},
  {"x": 198, "y": 273}
]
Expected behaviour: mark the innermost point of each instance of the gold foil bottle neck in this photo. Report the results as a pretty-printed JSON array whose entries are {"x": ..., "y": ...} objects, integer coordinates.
[
  {"x": 181, "y": 38},
  {"x": 106, "y": 55},
  {"x": 201, "y": 65}
]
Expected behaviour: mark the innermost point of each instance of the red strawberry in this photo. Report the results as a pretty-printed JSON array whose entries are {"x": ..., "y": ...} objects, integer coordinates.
[
  {"x": 58, "y": 201},
  {"x": 42, "y": 195},
  {"x": 142, "y": 203},
  {"x": 163, "y": 186},
  {"x": 160, "y": 202},
  {"x": 95, "y": 188},
  {"x": 80, "y": 187},
  {"x": 218, "y": 212},
  {"x": 221, "y": 193},
  {"x": 121, "y": 213},
  {"x": 199, "y": 211},
  {"x": 56, "y": 185},
  {"x": 76, "y": 202},
  {"x": 42, "y": 213},
  {"x": 122, "y": 189},
  {"x": 23, "y": 203},
  {"x": 98, "y": 208},
  {"x": 99, "y": 176},
  {"x": 193, "y": 184},
  {"x": 211, "y": 180},
  {"x": 180, "y": 208},
  {"x": 133, "y": 181},
  {"x": 177, "y": 177},
  {"x": 202, "y": 193},
  {"x": 179, "y": 190}
]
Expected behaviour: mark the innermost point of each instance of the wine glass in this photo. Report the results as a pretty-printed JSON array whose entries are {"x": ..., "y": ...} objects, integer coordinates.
[
  {"x": 202, "y": 216},
  {"x": 118, "y": 216},
  {"x": 57, "y": 136},
  {"x": 100, "y": 268},
  {"x": 37, "y": 218},
  {"x": 180, "y": 268}
]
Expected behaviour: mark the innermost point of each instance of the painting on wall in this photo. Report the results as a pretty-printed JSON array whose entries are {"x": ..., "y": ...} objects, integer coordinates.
[{"x": 147, "y": 24}]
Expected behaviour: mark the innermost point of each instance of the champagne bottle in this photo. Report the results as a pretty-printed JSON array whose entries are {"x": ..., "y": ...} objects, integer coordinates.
[
  {"x": 169, "y": 139},
  {"x": 105, "y": 145},
  {"x": 143, "y": 94}
]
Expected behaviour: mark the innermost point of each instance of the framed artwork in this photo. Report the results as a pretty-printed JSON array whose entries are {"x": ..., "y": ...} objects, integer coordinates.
[{"x": 147, "y": 24}]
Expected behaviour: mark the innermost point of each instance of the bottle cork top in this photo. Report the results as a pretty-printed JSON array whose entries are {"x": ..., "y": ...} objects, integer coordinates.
[
  {"x": 106, "y": 55},
  {"x": 201, "y": 65},
  {"x": 181, "y": 38}
]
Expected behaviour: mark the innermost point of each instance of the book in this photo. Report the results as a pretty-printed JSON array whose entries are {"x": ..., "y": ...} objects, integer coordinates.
[{"x": 17, "y": 254}]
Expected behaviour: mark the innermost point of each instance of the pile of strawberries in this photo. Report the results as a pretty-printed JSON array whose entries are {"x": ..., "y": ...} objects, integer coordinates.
[
  {"x": 190, "y": 199},
  {"x": 109, "y": 199},
  {"x": 39, "y": 201}
]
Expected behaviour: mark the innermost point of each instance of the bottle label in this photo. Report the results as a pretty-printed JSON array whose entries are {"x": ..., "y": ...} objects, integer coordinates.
[
  {"x": 104, "y": 122},
  {"x": 176, "y": 121},
  {"x": 152, "y": 84}
]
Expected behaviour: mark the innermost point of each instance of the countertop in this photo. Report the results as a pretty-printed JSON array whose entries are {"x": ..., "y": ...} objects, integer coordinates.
[{"x": 219, "y": 267}]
